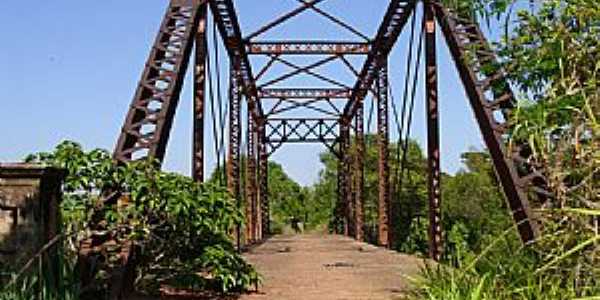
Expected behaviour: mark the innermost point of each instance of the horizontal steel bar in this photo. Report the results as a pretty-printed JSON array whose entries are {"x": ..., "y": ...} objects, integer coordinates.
[
  {"x": 304, "y": 93},
  {"x": 308, "y": 140},
  {"x": 308, "y": 47},
  {"x": 301, "y": 119}
]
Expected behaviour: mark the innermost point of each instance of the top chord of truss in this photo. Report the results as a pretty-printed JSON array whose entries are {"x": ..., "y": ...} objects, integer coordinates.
[{"x": 308, "y": 47}]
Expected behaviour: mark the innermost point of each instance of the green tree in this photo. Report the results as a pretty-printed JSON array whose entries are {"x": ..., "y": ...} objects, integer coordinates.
[
  {"x": 473, "y": 205},
  {"x": 408, "y": 200},
  {"x": 551, "y": 56},
  {"x": 287, "y": 199}
]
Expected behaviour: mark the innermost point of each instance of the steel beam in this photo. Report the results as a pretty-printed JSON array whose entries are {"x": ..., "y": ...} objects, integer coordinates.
[
  {"x": 490, "y": 97},
  {"x": 338, "y": 211},
  {"x": 285, "y": 105},
  {"x": 308, "y": 48},
  {"x": 301, "y": 129},
  {"x": 199, "y": 97},
  {"x": 251, "y": 183},
  {"x": 225, "y": 16},
  {"x": 278, "y": 21},
  {"x": 433, "y": 137},
  {"x": 359, "y": 174},
  {"x": 235, "y": 137},
  {"x": 263, "y": 171},
  {"x": 148, "y": 123},
  {"x": 146, "y": 129},
  {"x": 302, "y": 141},
  {"x": 394, "y": 20},
  {"x": 304, "y": 93},
  {"x": 383, "y": 163},
  {"x": 305, "y": 70},
  {"x": 346, "y": 161}
]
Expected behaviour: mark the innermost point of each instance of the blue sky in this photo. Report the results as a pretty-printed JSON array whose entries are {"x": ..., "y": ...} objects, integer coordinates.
[{"x": 68, "y": 70}]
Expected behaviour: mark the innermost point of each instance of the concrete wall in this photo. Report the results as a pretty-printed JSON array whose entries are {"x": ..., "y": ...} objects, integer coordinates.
[{"x": 29, "y": 211}]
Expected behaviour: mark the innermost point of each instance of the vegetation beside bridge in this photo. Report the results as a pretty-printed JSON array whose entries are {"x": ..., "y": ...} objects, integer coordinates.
[
  {"x": 551, "y": 56},
  {"x": 181, "y": 228}
]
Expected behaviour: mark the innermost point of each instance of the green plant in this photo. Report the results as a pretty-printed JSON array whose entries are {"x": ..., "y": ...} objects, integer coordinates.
[
  {"x": 552, "y": 58},
  {"x": 229, "y": 270},
  {"x": 36, "y": 280},
  {"x": 181, "y": 228}
]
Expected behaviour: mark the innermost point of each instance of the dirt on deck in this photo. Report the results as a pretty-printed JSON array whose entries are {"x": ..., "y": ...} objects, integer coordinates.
[
  {"x": 329, "y": 267},
  {"x": 321, "y": 267}
]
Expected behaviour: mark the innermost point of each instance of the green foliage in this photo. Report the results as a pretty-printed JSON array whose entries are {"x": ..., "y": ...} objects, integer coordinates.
[
  {"x": 288, "y": 200},
  {"x": 286, "y": 197},
  {"x": 228, "y": 268},
  {"x": 504, "y": 270},
  {"x": 409, "y": 202},
  {"x": 485, "y": 9},
  {"x": 415, "y": 238},
  {"x": 38, "y": 282},
  {"x": 473, "y": 204},
  {"x": 552, "y": 58},
  {"x": 181, "y": 227}
]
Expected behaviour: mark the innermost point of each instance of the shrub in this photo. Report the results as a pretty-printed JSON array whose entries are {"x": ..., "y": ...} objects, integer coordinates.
[{"x": 181, "y": 227}]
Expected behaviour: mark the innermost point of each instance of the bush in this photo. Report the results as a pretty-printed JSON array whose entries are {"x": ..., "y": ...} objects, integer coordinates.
[
  {"x": 181, "y": 228},
  {"x": 552, "y": 58}
]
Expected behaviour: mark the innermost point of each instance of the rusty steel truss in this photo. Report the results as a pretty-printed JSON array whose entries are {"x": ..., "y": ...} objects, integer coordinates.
[{"x": 339, "y": 108}]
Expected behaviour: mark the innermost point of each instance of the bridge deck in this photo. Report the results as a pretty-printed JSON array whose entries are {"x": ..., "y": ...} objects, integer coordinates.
[{"x": 323, "y": 267}]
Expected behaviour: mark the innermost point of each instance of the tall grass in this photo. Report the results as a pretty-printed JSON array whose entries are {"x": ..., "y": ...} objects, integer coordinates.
[
  {"x": 552, "y": 58},
  {"x": 503, "y": 271},
  {"x": 46, "y": 276}
]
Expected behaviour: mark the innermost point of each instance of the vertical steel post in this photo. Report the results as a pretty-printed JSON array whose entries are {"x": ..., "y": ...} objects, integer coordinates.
[
  {"x": 383, "y": 164},
  {"x": 256, "y": 183},
  {"x": 251, "y": 210},
  {"x": 235, "y": 137},
  {"x": 199, "y": 96},
  {"x": 344, "y": 178},
  {"x": 258, "y": 204},
  {"x": 433, "y": 136},
  {"x": 263, "y": 175},
  {"x": 338, "y": 218},
  {"x": 359, "y": 174}
]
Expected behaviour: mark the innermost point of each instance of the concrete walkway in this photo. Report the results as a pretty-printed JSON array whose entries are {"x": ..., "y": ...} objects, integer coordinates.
[{"x": 329, "y": 267}]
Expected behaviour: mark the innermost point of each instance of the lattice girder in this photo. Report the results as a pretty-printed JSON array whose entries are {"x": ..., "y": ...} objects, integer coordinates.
[{"x": 150, "y": 117}]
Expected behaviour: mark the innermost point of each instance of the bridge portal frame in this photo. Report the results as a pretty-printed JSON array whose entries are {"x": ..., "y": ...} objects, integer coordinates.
[{"x": 146, "y": 129}]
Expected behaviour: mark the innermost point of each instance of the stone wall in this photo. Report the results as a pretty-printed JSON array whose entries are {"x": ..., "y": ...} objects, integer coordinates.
[{"x": 29, "y": 211}]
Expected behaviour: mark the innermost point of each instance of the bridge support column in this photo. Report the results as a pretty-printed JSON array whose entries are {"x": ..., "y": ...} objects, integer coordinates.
[
  {"x": 258, "y": 215},
  {"x": 251, "y": 184},
  {"x": 263, "y": 181},
  {"x": 433, "y": 137},
  {"x": 235, "y": 137},
  {"x": 199, "y": 96},
  {"x": 341, "y": 207},
  {"x": 359, "y": 174},
  {"x": 338, "y": 220},
  {"x": 383, "y": 166},
  {"x": 345, "y": 175}
]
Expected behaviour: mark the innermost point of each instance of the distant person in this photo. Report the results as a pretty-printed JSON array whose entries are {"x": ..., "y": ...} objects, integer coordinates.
[{"x": 295, "y": 224}]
